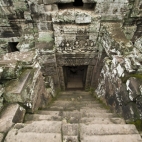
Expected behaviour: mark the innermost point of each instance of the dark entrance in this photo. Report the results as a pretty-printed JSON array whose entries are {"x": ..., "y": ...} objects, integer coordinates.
[
  {"x": 78, "y": 3},
  {"x": 75, "y": 77},
  {"x": 12, "y": 47}
]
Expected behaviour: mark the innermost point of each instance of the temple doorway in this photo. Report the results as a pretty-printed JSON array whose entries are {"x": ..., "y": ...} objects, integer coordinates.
[{"x": 75, "y": 77}]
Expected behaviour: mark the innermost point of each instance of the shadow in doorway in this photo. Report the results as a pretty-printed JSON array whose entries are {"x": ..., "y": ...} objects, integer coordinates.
[{"x": 75, "y": 77}]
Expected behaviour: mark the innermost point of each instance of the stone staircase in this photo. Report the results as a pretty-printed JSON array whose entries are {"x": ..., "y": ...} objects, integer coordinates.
[{"x": 75, "y": 116}]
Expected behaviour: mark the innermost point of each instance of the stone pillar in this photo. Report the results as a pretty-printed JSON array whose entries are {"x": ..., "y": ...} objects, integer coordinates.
[
  {"x": 89, "y": 77},
  {"x": 61, "y": 77}
]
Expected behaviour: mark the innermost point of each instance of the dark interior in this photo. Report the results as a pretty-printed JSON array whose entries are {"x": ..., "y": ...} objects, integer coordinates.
[
  {"x": 78, "y": 3},
  {"x": 12, "y": 47},
  {"x": 75, "y": 77}
]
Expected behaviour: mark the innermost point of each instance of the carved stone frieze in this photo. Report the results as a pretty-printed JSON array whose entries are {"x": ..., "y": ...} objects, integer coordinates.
[{"x": 76, "y": 46}]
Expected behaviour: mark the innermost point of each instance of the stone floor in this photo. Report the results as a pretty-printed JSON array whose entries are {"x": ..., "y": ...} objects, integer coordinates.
[{"x": 75, "y": 116}]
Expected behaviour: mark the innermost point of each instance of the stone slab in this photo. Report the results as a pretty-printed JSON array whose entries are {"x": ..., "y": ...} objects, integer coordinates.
[
  {"x": 27, "y": 58},
  {"x": 32, "y": 137},
  {"x": 11, "y": 69},
  {"x": 40, "y": 117},
  {"x": 97, "y": 114},
  {"x": 70, "y": 129},
  {"x": 15, "y": 88},
  {"x": 105, "y": 129},
  {"x": 92, "y": 120},
  {"x": 12, "y": 114},
  {"x": 70, "y": 139},
  {"x": 112, "y": 138},
  {"x": 42, "y": 127}
]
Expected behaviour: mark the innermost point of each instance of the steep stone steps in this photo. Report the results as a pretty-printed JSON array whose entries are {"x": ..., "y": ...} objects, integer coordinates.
[{"x": 73, "y": 119}]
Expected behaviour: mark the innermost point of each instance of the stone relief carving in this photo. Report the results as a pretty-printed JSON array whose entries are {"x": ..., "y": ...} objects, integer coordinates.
[
  {"x": 70, "y": 61},
  {"x": 76, "y": 46}
]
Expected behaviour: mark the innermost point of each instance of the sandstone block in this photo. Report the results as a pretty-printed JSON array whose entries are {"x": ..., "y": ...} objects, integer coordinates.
[
  {"x": 10, "y": 69},
  {"x": 10, "y": 115}
]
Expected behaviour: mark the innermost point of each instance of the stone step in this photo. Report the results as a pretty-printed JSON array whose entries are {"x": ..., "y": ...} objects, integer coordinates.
[
  {"x": 51, "y": 113},
  {"x": 112, "y": 138},
  {"x": 76, "y": 92},
  {"x": 98, "y": 114},
  {"x": 76, "y": 102},
  {"x": 10, "y": 115},
  {"x": 70, "y": 139},
  {"x": 40, "y": 127},
  {"x": 14, "y": 136},
  {"x": 98, "y": 120},
  {"x": 63, "y": 108},
  {"x": 70, "y": 132},
  {"x": 76, "y": 113},
  {"x": 76, "y": 98},
  {"x": 106, "y": 129},
  {"x": 40, "y": 117},
  {"x": 77, "y": 105},
  {"x": 93, "y": 110},
  {"x": 70, "y": 129}
]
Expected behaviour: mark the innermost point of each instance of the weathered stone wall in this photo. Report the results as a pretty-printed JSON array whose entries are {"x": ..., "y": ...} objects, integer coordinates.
[{"x": 120, "y": 79}]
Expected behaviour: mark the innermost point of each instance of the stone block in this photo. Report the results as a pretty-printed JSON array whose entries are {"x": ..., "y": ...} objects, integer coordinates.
[
  {"x": 11, "y": 69},
  {"x": 89, "y": 1},
  {"x": 49, "y": 1},
  {"x": 20, "y": 5},
  {"x": 82, "y": 18},
  {"x": 114, "y": 138},
  {"x": 10, "y": 115},
  {"x": 27, "y": 58},
  {"x": 70, "y": 129},
  {"x": 27, "y": 15},
  {"x": 29, "y": 89},
  {"x": 130, "y": 111},
  {"x": 52, "y": 7},
  {"x": 66, "y": 1},
  {"x": 138, "y": 44},
  {"x": 104, "y": 129},
  {"x": 15, "y": 89},
  {"x": 45, "y": 36},
  {"x": 137, "y": 11}
]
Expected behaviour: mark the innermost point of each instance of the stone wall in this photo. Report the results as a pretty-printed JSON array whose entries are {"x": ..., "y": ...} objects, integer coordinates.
[{"x": 120, "y": 79}]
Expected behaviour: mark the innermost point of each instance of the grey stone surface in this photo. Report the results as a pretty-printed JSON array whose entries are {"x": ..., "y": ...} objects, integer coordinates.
[
  {"x": 10, "y": 115},
  {"x": 104, "y": 129},
  {"x": 33, "y": 137},
  {"x": 115, "y": 138},
  {"x": 1, "y": 137}
]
